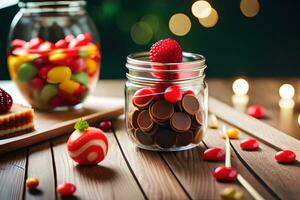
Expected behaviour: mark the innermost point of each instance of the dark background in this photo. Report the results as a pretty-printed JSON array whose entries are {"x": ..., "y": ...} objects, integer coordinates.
[{"x": 266, "y": 45}]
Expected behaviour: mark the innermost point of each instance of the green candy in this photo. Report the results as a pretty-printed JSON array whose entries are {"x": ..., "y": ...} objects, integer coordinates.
[
  {"x": 26, "y": 72},
  {"x": 48, "y": 92},
  {"x": 80, "y": 77},
  {"x": 36, "y": 96}
]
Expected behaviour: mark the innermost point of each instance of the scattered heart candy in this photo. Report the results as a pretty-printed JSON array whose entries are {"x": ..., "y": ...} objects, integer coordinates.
[
  {"x": 256, "y": 111},
  {"x": 285, "y": 156},
  {"x": 66, "y": 189},
  {"x": 249, "y": 144},
  {"x": 173, "y": 94},
  {"x": 213, "y": 154},
  {"x": 225, "y": 174},
  {"x": 105, "y": 125}
]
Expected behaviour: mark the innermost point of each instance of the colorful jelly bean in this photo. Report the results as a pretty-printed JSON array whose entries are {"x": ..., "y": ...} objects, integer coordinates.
[
  {"x": 43, "y": 73},
  {"x": 59, "y": 74},
  {"x": 33, "y": 43},
  {"x": 17, "y": 43},
  {"x": 285, "y": 156},
  {"x": 173, "y": 94},
  {"x": 232, "y": 133},
  {"x": 91, "y": 66},
  {"x": 48, "y": 92},
  {"x": 80, "y": 92},
  {"x": 77, "y": 65},
  {"x": 256, "y": 111},
  {"x": 37, "y": 83},
  {"x": 56, "y": 101},
  {"x": 69, "y": 86},
  {"x": 225, "y": 174},
  {"x": 213, "y": 154},
  {"x": 249, "y": 144},
  {"x": 58, "y": 58},
  {"x": 26, "y": 72},
  {"x": 61, "y": 44},
  {"x": 66, "y": 189},
  {"x": 80, "y": 77},
  {"x": 32, "y": 183}
]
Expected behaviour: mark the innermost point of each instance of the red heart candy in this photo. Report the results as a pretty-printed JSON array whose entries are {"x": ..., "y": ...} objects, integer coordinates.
[
  {"x": 249, "y": 144},
  {"x": 213, "y": 154},
  {"x": 285, "y": 156},
  {"x": 256, "y": 111},
  {"x": 225, "y": 174}
]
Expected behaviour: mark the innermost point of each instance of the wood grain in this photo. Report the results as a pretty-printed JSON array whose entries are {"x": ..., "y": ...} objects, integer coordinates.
[
  {"x": 254, "y": 127},
  {"x": 40, "y": 165},
  {"x": 52, "y": 124},
  {"x": 12, "y": 175},
  {"x": 282, "y": 179},
  {"x": 109, "y": 180},
  {"x": 151, "y": 171},
  {"x": 213, "y": 139}
]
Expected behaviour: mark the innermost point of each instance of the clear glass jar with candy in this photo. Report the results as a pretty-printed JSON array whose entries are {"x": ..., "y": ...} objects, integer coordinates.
[
  {"x": 166, "y": 103},
  {"x": 54, "y": 53}
]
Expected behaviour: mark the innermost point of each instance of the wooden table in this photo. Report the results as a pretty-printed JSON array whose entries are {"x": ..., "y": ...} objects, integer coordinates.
[{"x": 132, "y": 173}]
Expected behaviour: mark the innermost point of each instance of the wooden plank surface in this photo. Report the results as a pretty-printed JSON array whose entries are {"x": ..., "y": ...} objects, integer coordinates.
[
  {"x": 12, "y": 175},
  {"x": 151, "y": 171},
  {"x": 110, "y": 180},
  {"x": 40, "y": 165}
]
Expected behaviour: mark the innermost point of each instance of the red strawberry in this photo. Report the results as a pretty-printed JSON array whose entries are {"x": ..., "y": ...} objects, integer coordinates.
[
  {"x": 166, "y": 51},
  {"x": 5, "y": 101}
]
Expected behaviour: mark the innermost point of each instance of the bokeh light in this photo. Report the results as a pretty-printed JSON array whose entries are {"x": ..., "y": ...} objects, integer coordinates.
[
  {"x": 201, "y": 9},
  {"x": 211, "y": 20},
  {"x": 180, "y": 24},
  {"x": 141, "y": 33},
  {"x": 249, "y": 8},
  {"x": 152, "y": 20},
  {"x": 286, "y": 91},
  {"x": 240, "y": 86},
  {"x": 299, "y": 119}
]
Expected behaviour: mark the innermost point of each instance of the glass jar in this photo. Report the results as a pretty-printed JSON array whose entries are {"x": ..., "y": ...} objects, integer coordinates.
[
  {"x": 166, "y": 103},
  {"x": 54, "y": 53}
]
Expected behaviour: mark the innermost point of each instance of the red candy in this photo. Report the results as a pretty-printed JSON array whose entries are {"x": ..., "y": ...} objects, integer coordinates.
[
  {"x": 213, "y": 154},
  {"x": 66, "y": 189},
  {"x": 17, "y": 43},
  {"x": 5, "y": 101},
  {"x": 33, "y": 43},
  {"x": 44, "y": 72},
  {"x": 143, "y": 96},
  {"x": 225, "y": 174},
  {"x": 56, "y": 101},
  {"x": 46, "y": 46},
  {"x": 285, "y": 156},
  {"x": 80, "y": 92},
  {"x": 105, "y": 125},
  {"x": 37, "y": 83},
  {"x": 87, "y": 145},
  {"x": 76, "y": 65},
  {"x": 40, "y": 62},
  {"x": 173, "y": 94},
  {"x": 249, "y": 144},
  {"x": 80, "y": 40},
  {"x": 61, "y": 44},
  {"x": 256, "y": 111}
]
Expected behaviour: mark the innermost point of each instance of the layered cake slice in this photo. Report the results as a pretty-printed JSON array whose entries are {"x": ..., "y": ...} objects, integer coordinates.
[{"x": 14, "y": 118}]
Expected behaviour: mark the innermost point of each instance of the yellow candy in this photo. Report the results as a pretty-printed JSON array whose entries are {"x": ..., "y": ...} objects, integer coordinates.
[
  {"x": 57, "y": 57},
  {"x": 69, "y": 86},
  {"x": 59, "y": 74},
  {"x": 232, "y": 133},
  {"x": 91, "y": 66},
  {"x": 228, "y": 193},
  {"x": 90, "y": 50},
  {"x": 14, "y": 63}
]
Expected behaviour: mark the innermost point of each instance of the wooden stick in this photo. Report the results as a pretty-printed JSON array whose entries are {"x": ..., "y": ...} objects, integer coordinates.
[{"x": 240, "y": 178}]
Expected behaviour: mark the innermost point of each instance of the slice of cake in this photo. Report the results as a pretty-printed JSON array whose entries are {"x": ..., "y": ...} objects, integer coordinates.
[
  {"x": 18, "y": 120},
  {"x": 14, "y": 118}
]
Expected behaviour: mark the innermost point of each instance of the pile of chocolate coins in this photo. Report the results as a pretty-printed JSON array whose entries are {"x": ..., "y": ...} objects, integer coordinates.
[{"x": 157, "y": 122}]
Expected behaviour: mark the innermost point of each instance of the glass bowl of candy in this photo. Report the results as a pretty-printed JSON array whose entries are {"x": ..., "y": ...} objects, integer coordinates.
[
  {"x": 166, "y": 103},
  {"x": 54, "y": 53}
]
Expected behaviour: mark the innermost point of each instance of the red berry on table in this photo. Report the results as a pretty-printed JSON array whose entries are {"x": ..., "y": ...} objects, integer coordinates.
[
  {"x": 285, "y": 156},
  {"x": 143, "y": 97},
  {"x": 173, "y": 94},
  {"x": 105, "y": 125},
  {"x": 256, "y": 111},
  {"x": 87, "y": 145},
  {"x": 166, "y": 51},
  {"x": 32, "y": 183},
  {"x": 225, "y": 174},
  {"x": 249, "y": 144},
  {"x": 6, "y": 101},
  {"x": 66, "y": 189},
  {"x": 213, "y": 154}
]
